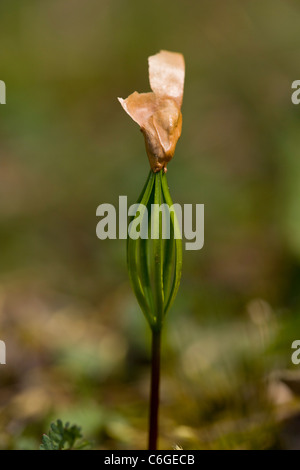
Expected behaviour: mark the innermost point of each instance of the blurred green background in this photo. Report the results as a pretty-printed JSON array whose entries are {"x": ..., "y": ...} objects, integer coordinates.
[{"x": 77, "y": 343}]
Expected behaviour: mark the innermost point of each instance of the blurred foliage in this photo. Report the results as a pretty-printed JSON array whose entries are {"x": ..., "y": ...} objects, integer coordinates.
[{"x": 77, "y": 344}]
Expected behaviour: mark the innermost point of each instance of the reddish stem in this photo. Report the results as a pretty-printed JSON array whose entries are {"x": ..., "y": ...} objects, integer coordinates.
[{"x": 154, "y": 393}]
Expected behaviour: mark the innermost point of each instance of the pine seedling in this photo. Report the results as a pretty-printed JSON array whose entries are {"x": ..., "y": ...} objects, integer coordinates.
[{"x": 154, "y": 259}]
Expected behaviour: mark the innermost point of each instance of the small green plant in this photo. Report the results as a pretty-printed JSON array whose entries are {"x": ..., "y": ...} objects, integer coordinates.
[
  {"x": 63, "y": 437},
  {"x": 155, "y": 262}
]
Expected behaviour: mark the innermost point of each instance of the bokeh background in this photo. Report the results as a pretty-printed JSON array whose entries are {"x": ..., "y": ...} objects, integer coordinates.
[{"x": 77, "y": 343}]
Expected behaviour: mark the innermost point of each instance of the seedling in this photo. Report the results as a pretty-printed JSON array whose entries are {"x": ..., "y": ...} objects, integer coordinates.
[{"x": 155, "y": 263}]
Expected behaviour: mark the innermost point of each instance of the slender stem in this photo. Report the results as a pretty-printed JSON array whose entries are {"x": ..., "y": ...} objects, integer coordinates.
[{"x": 154, "y": 394}]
